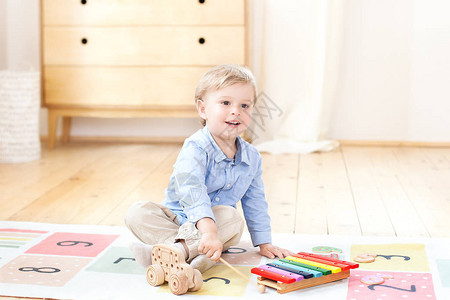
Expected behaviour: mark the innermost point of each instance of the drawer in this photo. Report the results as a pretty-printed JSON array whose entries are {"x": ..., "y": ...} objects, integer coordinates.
[
  {"x": 121, "y": 86},
  {"x": 144, "y": 46},
  {"x": 143, "y": 12}
]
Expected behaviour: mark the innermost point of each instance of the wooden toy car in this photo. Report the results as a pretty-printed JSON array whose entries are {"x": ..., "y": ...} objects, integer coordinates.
[{"x": 169, "y": 264}]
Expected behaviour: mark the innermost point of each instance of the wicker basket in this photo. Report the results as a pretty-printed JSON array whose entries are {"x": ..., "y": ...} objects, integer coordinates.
[{"x": 19, "y": 116}]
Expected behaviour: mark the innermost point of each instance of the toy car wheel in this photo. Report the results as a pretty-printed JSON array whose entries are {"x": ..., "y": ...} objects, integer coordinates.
[
  {"x": 155, "y": 275},
  {"x": 198, "y": 281},
  {"x": 178, "y": 283}
]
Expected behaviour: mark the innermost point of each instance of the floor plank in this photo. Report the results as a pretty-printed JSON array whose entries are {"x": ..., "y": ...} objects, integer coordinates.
[
  {"x": 354, "y": 190},
  {"x": 89, "y": 193},
  {"x": 311, "y": 215},
  {"x": 372, "y": 213},
  {"x": 281, "y": 191},
  {"x": 404, "y": 216},
  {"x": 325, "y": 202},
  {"x": 427, "y": 186},
  {"x": 22, "y": 183},
  {"x": 150, "y": 188}
]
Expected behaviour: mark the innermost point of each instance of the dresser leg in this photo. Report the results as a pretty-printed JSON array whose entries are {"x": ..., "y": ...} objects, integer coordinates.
[
  {"x": 67, "y": 125},
  {"x": 52, "y": 124}
]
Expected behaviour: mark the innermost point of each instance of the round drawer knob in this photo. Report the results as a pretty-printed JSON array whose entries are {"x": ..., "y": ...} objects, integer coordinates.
[
  {"x": 201, "y": 40},
  {"x": 84, "y": 41},
  {"x": 83, "y": 2}
]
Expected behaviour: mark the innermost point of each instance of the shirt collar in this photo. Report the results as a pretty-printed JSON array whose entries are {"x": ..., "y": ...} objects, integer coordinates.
[
  {"x": 241, "y": 153},
  {"x": 240, "y": 156}
]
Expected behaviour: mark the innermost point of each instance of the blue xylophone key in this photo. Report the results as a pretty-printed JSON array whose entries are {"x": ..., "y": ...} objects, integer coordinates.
[
  {"x": 306, "y": 275},
  {"x": 286, "y": 264}
]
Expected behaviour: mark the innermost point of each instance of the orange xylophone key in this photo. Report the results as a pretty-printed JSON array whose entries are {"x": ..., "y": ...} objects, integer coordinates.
[
  {"x": 351, "y": 264},
  {"x": 324, "y": 261}
]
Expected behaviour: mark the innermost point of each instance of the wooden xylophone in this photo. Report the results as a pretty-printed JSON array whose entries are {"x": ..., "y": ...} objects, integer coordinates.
[{"x": 302, "y": 270}]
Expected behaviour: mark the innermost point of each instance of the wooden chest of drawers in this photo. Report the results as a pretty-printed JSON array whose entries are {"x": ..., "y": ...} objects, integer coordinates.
[{"x": 133, "y": 58}]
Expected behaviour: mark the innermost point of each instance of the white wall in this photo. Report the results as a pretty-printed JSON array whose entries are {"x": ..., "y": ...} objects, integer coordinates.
[
  {"x": 393, "y": 84},
  {"x": 374, "y": 88},
  {"x": 429, "y": 108},
  {"x": 3, "y": 34},
  {"x": 395, "y": 72}
]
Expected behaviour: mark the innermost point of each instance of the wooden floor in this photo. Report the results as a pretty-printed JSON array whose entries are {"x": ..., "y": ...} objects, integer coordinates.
[{"x": 370, "y": 191}]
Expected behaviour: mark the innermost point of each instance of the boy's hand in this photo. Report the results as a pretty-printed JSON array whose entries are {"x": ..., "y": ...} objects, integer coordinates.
[
  {"x": 211, "y": 246},
  {"x": 271, "y": 251}
]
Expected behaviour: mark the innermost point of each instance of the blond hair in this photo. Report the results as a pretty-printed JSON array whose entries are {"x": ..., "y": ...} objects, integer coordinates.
[{"x": 222, "y": 76}]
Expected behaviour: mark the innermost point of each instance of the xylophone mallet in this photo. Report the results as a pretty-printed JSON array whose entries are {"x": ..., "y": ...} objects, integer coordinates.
[{"x": 261, "y": 288}]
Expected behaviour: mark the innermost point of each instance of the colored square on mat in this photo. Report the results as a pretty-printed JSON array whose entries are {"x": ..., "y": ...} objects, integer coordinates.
[
  {"x": 444, "y": 271},
  {"x": 242, "y": 254},
  {"x": 42, "y": 270},
  {"x": 2, "y": 230},
  {"x": 16, "y": 238},
  {"x": 393, "y": 257},
  {"x": 220, "y": 281},
  {"x": 403, "y": 285},
  {"x": 73, "y": 244},
  {"x": 117, "y": 260}
]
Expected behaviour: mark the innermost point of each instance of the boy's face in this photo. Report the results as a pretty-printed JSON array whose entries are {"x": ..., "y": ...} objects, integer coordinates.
[{"x": 227, "y": 111}]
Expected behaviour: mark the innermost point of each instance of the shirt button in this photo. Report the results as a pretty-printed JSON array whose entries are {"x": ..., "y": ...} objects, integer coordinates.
[
  {"x": 217, "y": 198},
  {"x": 228, "y": 185},
  {"x": 229, "y": 165}
]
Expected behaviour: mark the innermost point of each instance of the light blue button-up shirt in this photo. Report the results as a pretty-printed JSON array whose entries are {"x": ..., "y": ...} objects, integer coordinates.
[{"x": 204, "y": 177}]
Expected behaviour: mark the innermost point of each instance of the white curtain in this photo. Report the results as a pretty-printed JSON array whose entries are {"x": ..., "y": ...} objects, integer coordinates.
[{"x": 295, "y": 51}]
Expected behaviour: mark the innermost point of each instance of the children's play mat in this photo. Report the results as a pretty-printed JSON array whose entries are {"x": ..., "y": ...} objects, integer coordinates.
[{"x": 93, "y": 262}]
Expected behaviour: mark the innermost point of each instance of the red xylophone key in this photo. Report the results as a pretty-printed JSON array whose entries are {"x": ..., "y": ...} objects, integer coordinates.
[{"x": 272, "y": 275}]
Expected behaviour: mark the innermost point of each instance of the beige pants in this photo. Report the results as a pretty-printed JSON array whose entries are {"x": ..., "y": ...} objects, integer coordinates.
[{"x": 156, "y": 224}]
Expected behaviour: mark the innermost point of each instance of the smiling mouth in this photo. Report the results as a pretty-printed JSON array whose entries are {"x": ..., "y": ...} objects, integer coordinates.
[{"x": 234, "y": 123}]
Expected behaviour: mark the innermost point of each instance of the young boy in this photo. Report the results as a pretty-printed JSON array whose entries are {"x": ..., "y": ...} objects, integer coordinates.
[{"x": 215, "y": 169}]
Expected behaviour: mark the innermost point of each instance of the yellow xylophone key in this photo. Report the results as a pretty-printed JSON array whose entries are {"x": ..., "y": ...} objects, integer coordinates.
[{"x": 315, "y": 264}]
